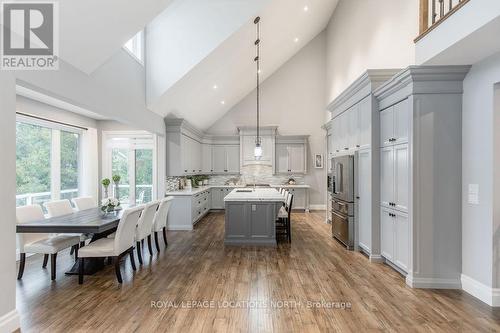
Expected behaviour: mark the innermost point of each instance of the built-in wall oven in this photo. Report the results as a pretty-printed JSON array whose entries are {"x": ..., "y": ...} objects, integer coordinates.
[{"x": 342, "y": 200}]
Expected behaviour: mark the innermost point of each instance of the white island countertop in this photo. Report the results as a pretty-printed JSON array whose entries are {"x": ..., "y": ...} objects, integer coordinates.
[{"x": 258, "y": 194}]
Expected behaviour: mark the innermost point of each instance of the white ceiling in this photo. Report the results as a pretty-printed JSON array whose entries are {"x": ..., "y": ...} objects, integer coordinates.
[
  {"x": 231, "y": 67},
  {"x": 91, "y": 31}
]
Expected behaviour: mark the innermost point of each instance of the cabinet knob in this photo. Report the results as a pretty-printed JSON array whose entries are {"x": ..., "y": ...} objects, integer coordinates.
[{"x": 346, "y": 148}]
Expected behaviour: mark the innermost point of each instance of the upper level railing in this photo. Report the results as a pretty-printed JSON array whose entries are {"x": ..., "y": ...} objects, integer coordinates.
[{"x": 434, "y": 12}]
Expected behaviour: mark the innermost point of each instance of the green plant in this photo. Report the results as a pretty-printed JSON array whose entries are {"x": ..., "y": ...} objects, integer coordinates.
[
  {"x": 117, "y": 178},
  {"x": 105, "y": 182}
]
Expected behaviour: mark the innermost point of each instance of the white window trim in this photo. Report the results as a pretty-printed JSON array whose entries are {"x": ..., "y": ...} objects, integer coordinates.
[
  {"x": 143, "y": 48},
  {"x": 107, "y": 163}
]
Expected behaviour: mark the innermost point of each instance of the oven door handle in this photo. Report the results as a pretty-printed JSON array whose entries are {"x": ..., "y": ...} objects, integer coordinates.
[{"x": 339, "y": 215}]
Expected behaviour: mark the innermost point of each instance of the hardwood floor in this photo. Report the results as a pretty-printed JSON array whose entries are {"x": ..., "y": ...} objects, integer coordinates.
[{"x": 197, "y": 267}]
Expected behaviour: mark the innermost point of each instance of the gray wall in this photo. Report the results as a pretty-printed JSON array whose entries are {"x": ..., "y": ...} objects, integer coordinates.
[
  {"x": 293, "y": 99},
  {"x": 480, "y": 222},
  {"x": 496, "y": 188},
  {"x": 8, "y": 192}
]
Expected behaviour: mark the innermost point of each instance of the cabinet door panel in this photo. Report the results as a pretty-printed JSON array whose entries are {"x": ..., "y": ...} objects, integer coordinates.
[
  {"x": 219, "y": 158},
  {"x": 233, "y": 159},
  {"x": 401, "y": 121},
  {"x": 296, "y": 158},
  {"x": 365, "y": 121},
  {"x": 344, "y": 131},
  {"x": 206, "y": 152},
  {"x": 386, "y": 234},
  {"x": 185, "y": 154},
  {"x": 364, "y": 201},
  {"x": 387, "y": 176},
  {"x": 402, "y": 241},
  {"x": 401, "y": 189},
  {"x": 336, "y": 135},
  {"x": 386, "y": 126},
  {"x": 282, "y": 158},
  {"x": 353, "y": 132}
]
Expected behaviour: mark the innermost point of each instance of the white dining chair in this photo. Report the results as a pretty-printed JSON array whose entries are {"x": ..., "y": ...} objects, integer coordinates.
[
  {"x": 60, "y": 208},
  {"x": 160, "y": 221},
  {"x": 145, "y": 227},
  {"x": 84, "y": 203},
  {"x": 40, "y": 242},
  {"x": 115, "y": 248}
]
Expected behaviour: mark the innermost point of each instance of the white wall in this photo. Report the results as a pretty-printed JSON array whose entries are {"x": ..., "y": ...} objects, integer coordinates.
[
  {"x": 368, "y": 34},
  {"x": 9, "y": 320},
  {"x": 480, "y": 222},
  {"x": 496, "y": 187},
  {"x": 293, "y": 99},
  {"x": 116, "y": 90}
]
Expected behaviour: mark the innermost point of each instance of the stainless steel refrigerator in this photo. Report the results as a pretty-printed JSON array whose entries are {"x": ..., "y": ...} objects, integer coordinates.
[{"x": 342, "y": 202}]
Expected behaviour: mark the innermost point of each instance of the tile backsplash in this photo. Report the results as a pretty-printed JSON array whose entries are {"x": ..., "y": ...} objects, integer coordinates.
[{"x": 260, "y": 174}]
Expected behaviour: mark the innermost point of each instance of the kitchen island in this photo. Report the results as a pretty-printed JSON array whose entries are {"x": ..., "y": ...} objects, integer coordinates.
[{"x": 251, "y": 216}]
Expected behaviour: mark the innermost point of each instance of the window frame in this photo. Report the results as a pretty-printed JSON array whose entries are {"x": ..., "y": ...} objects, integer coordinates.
[
  {"x": 55, "y": 151},
  {"x": 141, "y": 47}
]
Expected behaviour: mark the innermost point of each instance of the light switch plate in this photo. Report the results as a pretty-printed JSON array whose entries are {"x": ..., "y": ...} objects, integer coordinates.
[{"x": 473, "y": 194}]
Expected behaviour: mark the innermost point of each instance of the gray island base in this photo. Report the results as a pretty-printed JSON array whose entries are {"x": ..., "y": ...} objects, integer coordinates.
[{"x": 251, "y": 216}]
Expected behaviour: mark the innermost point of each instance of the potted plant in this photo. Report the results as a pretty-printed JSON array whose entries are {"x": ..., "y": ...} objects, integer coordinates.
[
  {"x": 105, "y": 183},
  {"x": 116, "y": 180},
  {"x": 109, "y": 204}
]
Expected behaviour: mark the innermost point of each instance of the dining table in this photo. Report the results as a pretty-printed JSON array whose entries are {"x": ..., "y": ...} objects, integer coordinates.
[{"x": 91, "y": 221}]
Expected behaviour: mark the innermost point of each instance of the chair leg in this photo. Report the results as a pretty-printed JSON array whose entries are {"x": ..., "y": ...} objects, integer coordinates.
[
  {"x": 139, "y": 255},
  {"x": 132, "y": 259},
  {"x": 77, "y": 247},
  {"x": 72, "y": 251},
  {"x": 53, "y": 259},
  {"x": 80, "y": 270},
  {"x": 117, "y": 269},
  {"x": 22, "y": 262},
  {"x": 82, "y": 243},
  {"x": 110, "y": 260},
  {"x": 149, "y": 246},
  {"x": 165, "y": 236},
  {"x": 156, "y": 242},
  {"x": 288, "y": 230},
  {"x": 45, "y": 260}
]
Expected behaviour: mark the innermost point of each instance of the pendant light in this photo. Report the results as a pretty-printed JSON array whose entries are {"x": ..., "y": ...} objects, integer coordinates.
[{"x": 258, "y": 141}]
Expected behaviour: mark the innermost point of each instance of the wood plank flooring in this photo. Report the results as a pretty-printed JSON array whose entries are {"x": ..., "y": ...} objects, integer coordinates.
[{"x": 197, "y": 267}]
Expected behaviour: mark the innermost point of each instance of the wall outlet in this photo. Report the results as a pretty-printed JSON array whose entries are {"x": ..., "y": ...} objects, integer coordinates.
[{"x": 473, "y": 194}]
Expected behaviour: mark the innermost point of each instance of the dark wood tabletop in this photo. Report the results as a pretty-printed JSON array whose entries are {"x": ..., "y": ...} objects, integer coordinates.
[{"x": 86, "y": 221}]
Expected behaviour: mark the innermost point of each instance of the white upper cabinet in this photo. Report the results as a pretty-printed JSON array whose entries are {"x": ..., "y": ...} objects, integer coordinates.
[
  {"x": 226, "y": 158},
  {"x": 291, "y": 158},
  {"x": 353, "y": 130},
  {"x": 248, "y": 150},
  {"x": 365, "y": 122},
  {"x": 233, "y": 158},
  {"x": 206, "y": 157},
  {"x": 344, "y": 131},
  {"x": 394, "y": 124}
]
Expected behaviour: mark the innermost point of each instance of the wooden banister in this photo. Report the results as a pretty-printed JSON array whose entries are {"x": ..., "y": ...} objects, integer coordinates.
[{"x": 438, "y": 13}]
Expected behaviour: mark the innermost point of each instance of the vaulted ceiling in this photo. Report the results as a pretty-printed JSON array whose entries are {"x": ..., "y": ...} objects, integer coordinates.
[
  {"x": 203, "y": 92},
  {"x": 91, "y": 31}
]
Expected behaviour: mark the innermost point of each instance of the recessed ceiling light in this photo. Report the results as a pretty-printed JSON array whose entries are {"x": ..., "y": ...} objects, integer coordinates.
[
  {"x": 222, "y": 102},
  {"x": 306, "y": 8},
  {"x": 215, "y": 86},
  {"x": 296, "y": 39}
]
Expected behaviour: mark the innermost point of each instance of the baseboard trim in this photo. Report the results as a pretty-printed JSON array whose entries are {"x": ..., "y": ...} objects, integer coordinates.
[
  {"x": 432, "y": 283},
  {"x": 490, "y": 296},
  {"x": 10, "y": 322},
  {"x": 317, "y": 207},
  {"x": 180, "y": 228},
  {"x": 376, "y": 258}
]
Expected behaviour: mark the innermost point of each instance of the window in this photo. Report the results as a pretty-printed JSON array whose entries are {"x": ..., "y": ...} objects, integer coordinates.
[
  {"x": 132, "y": 157},
  {"x": 135, "y": 47},
  {"x": 47, "y": 161}
]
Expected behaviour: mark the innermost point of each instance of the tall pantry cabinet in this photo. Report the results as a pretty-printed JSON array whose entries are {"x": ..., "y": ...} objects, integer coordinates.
[
  {"x": 354, "y": 130},
  {"x": 420, "y": 174}
]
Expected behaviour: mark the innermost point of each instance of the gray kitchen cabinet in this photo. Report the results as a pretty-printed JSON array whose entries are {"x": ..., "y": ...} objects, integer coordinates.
[
  {"x": 394, "y": 191},
  {"x": 363, "y": 199},
  {"x": 395, "y": 237},
  {"x": 226, "y": 159},
  {"x": 218, "y": 195},
  {"x": 353, "y": 131},
  {"x": 281, "y": 158},
  {"x": 394, "y": 123},
  {"x": 291, "y": 155},
  {"x": 299, "y": 198},
  {"x": 365, "y": 121}
]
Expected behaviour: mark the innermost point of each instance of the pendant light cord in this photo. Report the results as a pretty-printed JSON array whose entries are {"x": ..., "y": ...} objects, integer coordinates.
[{"x": 257, "y": 60}]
